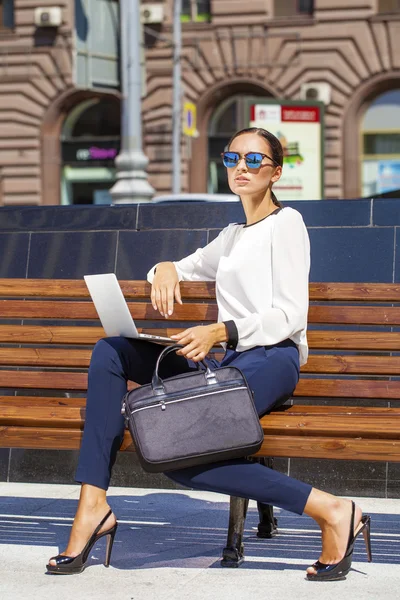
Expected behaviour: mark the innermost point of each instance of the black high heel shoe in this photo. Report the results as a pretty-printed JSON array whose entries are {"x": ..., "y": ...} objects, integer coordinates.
[
  {"x": 68, "y": 565},
  {"x": 339, "y": 570}
]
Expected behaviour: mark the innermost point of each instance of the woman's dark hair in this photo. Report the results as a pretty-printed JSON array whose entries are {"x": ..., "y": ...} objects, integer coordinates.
[{"x": 274, "y": 144}]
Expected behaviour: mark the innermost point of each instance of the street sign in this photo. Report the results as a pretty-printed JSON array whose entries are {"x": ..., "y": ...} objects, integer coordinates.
[{"x": 189, "y": 119}]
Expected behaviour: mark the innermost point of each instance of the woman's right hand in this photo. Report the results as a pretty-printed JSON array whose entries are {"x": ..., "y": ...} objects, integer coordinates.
[{"x": 165, "y": 288}]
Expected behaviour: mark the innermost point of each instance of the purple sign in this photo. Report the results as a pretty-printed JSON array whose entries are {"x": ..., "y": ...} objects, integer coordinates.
[{"x": 95, "y": 153}]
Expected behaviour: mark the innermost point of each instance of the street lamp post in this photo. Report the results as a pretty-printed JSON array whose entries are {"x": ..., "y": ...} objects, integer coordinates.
[
  {"x": 177, "y": 100},
  {"x": 132, "y": 185}
]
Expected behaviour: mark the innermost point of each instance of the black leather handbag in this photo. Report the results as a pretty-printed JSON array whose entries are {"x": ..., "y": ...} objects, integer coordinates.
[{"x": 195, "y": 418}]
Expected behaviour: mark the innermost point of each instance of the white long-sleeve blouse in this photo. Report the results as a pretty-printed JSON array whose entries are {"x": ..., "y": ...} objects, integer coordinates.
[{"x": 261, "y": 274}]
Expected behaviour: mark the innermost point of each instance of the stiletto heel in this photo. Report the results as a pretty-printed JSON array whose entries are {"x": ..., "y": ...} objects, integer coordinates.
[
  {"x": 68, "y": 565},
  {"x": 110, "y": 543},
  {"x": 366, "y": 531},
  {"x": 339, "y": 570}
]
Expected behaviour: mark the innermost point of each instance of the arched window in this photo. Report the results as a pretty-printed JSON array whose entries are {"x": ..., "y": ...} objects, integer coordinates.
[{"x": 381, "y": 146}]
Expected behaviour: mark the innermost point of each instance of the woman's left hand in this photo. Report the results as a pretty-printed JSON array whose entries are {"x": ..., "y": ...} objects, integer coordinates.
[{"x": 198, "y": 341}]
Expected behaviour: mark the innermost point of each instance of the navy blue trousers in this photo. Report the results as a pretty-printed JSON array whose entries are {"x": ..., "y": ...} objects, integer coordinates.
[{"x": 272, "y": 373}]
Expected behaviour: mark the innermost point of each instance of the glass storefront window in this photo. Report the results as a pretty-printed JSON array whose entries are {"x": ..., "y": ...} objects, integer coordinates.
[
  {"x": 380, "y": 162},
  {"x": 90, "y": 142}
]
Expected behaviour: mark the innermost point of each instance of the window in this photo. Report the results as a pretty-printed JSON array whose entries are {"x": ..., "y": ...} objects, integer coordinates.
[
  {"x": 381, "y": 143},
  {"x": 388, "y": 6},
  {"x": 97, "y": 43},
  {"x": 196, "y": 10},
  {"x": 380, "y": 162},
  {"x": 288, "y": 8},
  {"x": 6, "y": 14}
]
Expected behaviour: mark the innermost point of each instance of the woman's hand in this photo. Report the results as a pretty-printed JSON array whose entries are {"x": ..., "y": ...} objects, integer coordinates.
[
  {"x": 198, "y": 341},
  {"x": 165, "y": 288}
]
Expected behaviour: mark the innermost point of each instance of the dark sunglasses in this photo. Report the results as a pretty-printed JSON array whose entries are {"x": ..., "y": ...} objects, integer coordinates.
[{"x": 253, "y": 160}]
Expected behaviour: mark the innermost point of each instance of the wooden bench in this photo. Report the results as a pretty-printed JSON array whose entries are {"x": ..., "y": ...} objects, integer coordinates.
[{"x": 48, "y": 329}]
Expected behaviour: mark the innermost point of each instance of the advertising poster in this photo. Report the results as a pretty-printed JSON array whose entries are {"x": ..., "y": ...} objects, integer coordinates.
[
  {"x": 388, "y": 176},
  {"x": 299, "y": 129}
]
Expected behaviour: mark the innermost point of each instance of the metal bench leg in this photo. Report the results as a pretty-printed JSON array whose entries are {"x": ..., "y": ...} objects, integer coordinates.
[
  {"x": 267, "y": 527},
  {"x": 233, "y": 553}
]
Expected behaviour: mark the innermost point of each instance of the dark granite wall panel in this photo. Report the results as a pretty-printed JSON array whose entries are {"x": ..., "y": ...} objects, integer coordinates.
[
  {"x": 397, "y": 257},
  {"x": 196, "y": 215},
  {"x": 13, "y": 254},
  {"x": 138, "y": 251},
  {"x": 334, "y": 213},
  {"x": 342, "y": 477},
  {"x": 68, "y": 218},
  {"x": 386, "y": 212},
  {"x": 42, "y": 466},
  {"x": 393, "y": 484},
  {"x": 360, "y": 255},
  {"x": 71, "y": 255},
  {"x": 4, "y": 463}
]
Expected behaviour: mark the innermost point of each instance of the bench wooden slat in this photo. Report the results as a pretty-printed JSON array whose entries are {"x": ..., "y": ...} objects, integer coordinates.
[
  {"x": 358, "y": 425},
  {"x": 48, "y": 309},
  {"x": 81, "y": 335},
  {"x": 334, "y": 448},
  {"x": 66, "y": 288},
  {"x": 61, "y": 357},
  {"x": 41, "y": 401},
  {"x": 307, "y": 387},
  {"x": 364, "y": 292},
  {"x": 347, "y": 388},
  {"x": 71, "y": 288},
  {"x": 46, "y": 380},
  {"x": 285, "y": 446},
  {"x": 45, "y": 357},
  {"x": 351, "y": 315},
  {"x": 357, "y": 365},
  {"x": 354, "y": 340},
  {"x": 328, "y": 410},
  {"x": 43, "y": 416},
  {"x": 49, "y": 334}
]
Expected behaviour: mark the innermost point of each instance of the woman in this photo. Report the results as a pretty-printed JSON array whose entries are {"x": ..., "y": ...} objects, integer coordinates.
[{"x": 261, "y": 272}]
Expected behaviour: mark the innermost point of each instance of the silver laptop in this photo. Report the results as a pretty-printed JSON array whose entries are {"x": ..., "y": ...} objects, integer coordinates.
[{"x": 113, "y": 310}]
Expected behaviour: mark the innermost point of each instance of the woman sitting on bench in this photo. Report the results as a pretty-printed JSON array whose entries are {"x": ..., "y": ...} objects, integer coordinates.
[{"x": 261, "y": 272}]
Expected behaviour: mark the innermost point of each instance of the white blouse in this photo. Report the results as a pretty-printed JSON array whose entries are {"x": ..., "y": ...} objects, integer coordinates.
[{"x": 261, "y": 274}]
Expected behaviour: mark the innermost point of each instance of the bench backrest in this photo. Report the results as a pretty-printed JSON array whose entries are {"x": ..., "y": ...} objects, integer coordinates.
[{"x": 354, "y": 334}]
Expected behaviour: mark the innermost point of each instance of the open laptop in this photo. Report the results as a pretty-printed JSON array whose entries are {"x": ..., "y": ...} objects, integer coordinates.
[{"x": 113, "y": 310}]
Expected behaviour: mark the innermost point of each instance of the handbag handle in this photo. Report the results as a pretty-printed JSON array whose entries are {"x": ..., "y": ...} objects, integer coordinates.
[{"x": 156, "y": 381}]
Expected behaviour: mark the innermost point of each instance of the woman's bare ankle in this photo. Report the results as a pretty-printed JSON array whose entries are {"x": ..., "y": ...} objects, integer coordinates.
[{"x": 92, "y": 497}]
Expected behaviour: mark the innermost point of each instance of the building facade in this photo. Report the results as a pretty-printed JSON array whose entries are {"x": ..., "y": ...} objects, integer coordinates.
[{"x": 60, "y": 98}]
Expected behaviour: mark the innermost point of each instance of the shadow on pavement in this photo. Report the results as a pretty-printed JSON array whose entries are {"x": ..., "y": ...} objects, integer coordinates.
[{"x": 175, "y": 530}]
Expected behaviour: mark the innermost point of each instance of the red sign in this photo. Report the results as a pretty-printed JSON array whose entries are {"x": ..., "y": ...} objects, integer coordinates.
[{"x": 301, "y": 114}]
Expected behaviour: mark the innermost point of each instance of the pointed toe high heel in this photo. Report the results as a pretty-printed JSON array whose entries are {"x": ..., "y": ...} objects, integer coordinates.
[
  {"x": 69, "y": 565},
  {"x": 339, "y": 570}
]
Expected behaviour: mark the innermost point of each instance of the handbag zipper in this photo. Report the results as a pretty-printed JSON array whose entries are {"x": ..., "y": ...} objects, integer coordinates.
[
  {"x": 202, "y": 388},
  {"x": 163, "y": 404}
]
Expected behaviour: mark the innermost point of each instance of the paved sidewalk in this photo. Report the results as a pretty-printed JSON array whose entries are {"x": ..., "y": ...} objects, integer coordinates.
[{"x": 168, "y": 547}]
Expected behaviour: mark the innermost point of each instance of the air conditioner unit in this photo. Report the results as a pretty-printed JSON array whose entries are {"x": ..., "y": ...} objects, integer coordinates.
[
  {"x": 152, "y": 13},
  {"x": 48, "y": 17},
  {"x": 316, "y": 91}
]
